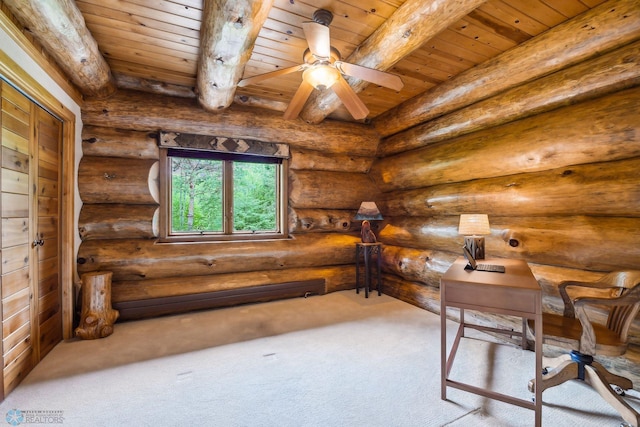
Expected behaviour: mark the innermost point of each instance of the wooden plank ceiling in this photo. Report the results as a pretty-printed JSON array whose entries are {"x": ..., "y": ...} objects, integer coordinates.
[{"x": 158, "y": 41}]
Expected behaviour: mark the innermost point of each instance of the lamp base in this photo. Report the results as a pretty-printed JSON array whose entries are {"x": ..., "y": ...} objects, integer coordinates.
[
  {"x": 368, "y": 236},
  {"x": 475, "y": 244}
]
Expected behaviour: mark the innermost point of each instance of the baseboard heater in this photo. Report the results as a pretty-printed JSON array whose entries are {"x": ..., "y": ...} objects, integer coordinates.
[{"x": 153, "y": 307}]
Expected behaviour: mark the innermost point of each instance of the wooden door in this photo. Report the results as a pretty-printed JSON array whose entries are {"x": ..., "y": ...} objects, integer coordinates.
[
  {"x": 17, "y": 292},
  {"x": 47, "y": 278},
  {"x": 29, "y": 268}
]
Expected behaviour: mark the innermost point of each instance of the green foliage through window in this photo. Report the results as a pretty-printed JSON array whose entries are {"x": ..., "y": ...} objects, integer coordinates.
[
  {"x": 254, "y": 197},
  {"x": 198, "y": 197}
]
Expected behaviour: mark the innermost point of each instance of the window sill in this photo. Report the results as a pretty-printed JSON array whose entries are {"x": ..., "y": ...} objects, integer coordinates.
[{"x": 224, "y": 239}]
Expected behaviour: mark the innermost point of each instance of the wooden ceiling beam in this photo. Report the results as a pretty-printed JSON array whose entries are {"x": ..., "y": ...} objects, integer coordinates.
[
  {"x": 60, "y": 28},
  {"x": 412, "y": 24},
  {"x": 227, "y": 35},
  {"x": 607, "y": 26}
]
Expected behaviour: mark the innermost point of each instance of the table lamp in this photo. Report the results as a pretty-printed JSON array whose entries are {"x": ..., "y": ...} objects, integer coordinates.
[
  {"x": 368, "y": 212},
  {"x": 473, "y": 226}
]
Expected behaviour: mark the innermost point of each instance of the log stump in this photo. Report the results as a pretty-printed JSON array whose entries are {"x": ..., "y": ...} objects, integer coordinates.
[{"x": 97, "y": 317}]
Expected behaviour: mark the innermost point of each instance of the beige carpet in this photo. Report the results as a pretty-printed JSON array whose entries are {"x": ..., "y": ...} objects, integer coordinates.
[{"x": 334, "y": 360}]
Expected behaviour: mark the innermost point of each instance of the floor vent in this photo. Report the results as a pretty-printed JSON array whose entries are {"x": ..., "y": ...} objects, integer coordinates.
[{"x": 140, "y": 309}]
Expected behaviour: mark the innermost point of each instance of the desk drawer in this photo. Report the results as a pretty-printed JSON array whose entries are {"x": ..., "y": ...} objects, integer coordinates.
[{"x": 502, "y": 299}]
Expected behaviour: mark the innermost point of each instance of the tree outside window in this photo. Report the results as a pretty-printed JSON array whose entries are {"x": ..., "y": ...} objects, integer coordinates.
[{"x": 220, "y": 196}]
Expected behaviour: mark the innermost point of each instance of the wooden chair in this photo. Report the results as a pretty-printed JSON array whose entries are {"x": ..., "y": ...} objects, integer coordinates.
[{"x": 619, "y": 293}]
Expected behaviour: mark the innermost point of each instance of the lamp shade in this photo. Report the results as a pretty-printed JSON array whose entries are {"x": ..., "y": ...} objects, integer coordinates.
[
  {"x": 368, "y": 211},
  {"x": 474, "y": 225}
]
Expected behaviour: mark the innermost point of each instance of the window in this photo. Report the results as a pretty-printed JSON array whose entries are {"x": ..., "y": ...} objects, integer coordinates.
[{"x": 211, "y": 195}]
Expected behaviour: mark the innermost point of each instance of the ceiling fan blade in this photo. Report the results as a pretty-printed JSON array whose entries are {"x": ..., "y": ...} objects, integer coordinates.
[
  {"x": 369, "y": 74},
  {"x": 260, "y": 77},
  {"x": 350, "y": 99},
  {"x": 318, "y": 38},
  {"x": 298, "y": 100}
]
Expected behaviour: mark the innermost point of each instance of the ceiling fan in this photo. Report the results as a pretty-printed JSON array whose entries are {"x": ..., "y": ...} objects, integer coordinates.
[{"x": 323, "y": 68}]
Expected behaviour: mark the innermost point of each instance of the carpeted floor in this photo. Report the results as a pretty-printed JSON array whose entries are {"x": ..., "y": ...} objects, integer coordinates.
[{"x": 333, "y": 360}]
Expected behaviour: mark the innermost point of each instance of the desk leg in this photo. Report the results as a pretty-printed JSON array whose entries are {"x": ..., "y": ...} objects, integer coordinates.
[
  {"x": 538, "y": 353},
  {"x": 367, "y": 271},
  {"x": 443, "y": 346},
  {"x": 379, "y": 285},
  {"x": 357, "y": 270}
]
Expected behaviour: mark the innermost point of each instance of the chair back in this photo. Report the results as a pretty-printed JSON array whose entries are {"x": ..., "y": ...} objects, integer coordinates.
[{"x": 622, "y": 316}]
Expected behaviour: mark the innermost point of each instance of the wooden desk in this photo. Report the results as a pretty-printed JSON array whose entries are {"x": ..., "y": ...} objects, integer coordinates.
[{"x": 515, "y": 292}]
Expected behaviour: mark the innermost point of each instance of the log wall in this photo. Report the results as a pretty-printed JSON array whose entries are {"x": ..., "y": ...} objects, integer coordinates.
[
  {"x": 554, "y": 163},
  {"x": 118, "y": 184},
  {"x": 552, "y": 156}
]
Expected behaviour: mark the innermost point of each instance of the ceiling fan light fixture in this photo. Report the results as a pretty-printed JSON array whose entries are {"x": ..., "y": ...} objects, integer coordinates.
[
  {"x": 323, "y": 68},
  {"x": 321, "y": 76}
]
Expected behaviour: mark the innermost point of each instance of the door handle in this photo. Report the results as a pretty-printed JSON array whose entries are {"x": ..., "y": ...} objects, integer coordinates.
[{"x": 37, "y": 242}]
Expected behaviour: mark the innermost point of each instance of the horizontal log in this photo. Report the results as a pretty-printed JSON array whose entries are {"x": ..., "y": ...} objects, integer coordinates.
[
  {"x": 593, "y": 243},
  {"x": 605, "y": 27},
  {"x": 316, "y": 160},
  {"x": 118, "y": 221},
  {"x": 598, "y": 189},
  {"x": 604, "y": 129},
  {"x": 412, "y": 292},
  {"x": 321, "y": 220},
  {"x": 162, "y": 88},
  {"x": 329, "y": 190},
  {"x": 153, "y": 86},
  {"x": 338, "y": 277},
  {"x": 110, "y": 142},
  {"x": 417, "y": 265},
  {"x": 145, "y": 259},
  {"x": 142, "y": 111},
  {"x": 118, "y": 180},
  {"x": 427, "y": 266},
  {"x": 609, "y": 73},
  {"x": 256, "y": 102}
]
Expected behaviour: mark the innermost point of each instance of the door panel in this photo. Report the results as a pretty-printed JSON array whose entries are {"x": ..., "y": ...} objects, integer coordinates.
[
  {"x": 15, "y": 322},
  {"x": 30, "y": 235},
  {"x": 17, "y": 310},
  {"x": 15, "y": 282},
  {"x": 14, "y": 258},
  {"x": 18, "y": 341},
  {"x": 15, "y": 205},
  {"x": 49, "y": 303},
  {"x": 15, "y": 182},
  {"x": 15, "y": 231},
  {"x": 15, "y": 160},
  {"x": 18, "y": 368},
  {"x": 50, "y": 334},
  {"x": 16, "y": 303},
  {"x": 15, "y": 141}
]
